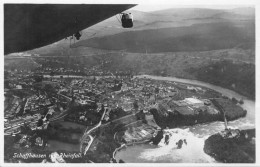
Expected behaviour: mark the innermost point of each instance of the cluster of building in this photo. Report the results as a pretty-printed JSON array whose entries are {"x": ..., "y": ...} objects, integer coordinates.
[
  {"x": 27, "y": 109},
  {"x": 35, "y": 103},
  {"x": 18, "y": 79},
  {"x": 13, "y": 126},
  {"x": 14, "y": 107},
  {"x": 73, "y": 69}
]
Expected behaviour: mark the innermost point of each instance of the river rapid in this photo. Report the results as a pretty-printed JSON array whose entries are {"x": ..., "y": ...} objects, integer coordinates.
[{"x": 194, "y": 135}]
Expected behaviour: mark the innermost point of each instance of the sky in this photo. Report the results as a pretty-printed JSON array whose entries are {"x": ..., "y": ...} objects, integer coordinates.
[{"x": 154, "y": 7}]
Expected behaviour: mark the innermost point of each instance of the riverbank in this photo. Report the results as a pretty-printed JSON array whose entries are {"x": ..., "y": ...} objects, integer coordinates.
[
  {"x": 226, "y": 92},
  {"x": 126, "y": 145},
  {"x": 225, "y": 74}
]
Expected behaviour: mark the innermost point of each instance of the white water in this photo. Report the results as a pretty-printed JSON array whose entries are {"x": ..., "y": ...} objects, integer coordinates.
[
  {"x": 192, "y": 152},
  {"x": 195, "y": 135}
]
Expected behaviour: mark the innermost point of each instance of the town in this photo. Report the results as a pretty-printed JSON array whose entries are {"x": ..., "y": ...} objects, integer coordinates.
[{"x": 37, "y": 106}]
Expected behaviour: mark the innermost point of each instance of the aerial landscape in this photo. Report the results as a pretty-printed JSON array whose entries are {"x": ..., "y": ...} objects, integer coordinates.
[{"x": 173, "y": 85}]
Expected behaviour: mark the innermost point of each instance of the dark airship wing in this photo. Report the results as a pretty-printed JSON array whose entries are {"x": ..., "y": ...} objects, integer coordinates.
[{"x": 29, "y": 26}]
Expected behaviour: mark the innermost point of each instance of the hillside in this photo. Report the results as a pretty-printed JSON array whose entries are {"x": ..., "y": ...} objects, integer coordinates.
[
  {"x": 198, "y": 37},
  {"x": 20, "y": 64},
  {"x": 238, "y": 77},
  {"x": 188, "y": 12}
]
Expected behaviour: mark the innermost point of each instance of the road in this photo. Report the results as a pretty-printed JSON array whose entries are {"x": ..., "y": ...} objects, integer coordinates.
[
  {"x": 119, "y": 119},
  {"x": 87, "y": 134},
  {"x": 64, "y": 96}
]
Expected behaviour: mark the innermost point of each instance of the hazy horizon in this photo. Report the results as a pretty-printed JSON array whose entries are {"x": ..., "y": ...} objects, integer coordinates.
[{"x": 158, "y": 7}]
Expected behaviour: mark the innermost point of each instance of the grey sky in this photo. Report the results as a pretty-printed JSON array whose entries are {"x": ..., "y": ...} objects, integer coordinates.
[{"x": 154, "y": 7}]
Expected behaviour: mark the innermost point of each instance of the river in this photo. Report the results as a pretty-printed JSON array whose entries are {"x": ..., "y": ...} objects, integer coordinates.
[{"x": 195, "y": 135}]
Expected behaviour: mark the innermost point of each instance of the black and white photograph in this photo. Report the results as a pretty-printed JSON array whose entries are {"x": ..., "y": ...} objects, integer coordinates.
[{"x": 137, "y": 83}]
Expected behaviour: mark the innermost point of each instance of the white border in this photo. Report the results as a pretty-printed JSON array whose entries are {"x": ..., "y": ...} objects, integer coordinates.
[{"x": 255, "y": 3}]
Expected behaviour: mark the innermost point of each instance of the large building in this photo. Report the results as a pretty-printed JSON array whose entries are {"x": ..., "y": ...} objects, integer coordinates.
[{"x": 194, "y": 102}]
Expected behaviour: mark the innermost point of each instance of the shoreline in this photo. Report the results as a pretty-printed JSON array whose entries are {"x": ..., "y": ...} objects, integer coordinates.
[
  {"x": 194, "y": 82},
  {"x": 126, "y": 145}
]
